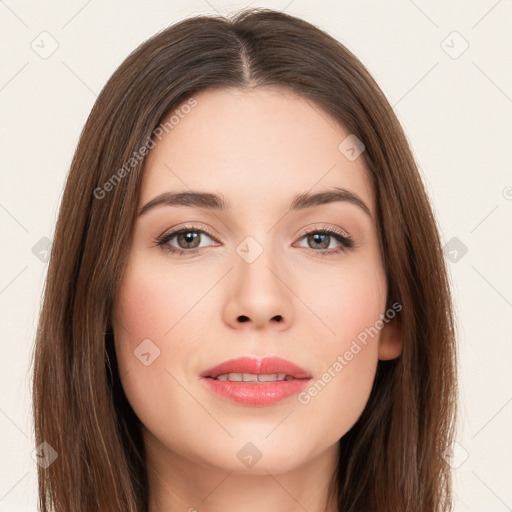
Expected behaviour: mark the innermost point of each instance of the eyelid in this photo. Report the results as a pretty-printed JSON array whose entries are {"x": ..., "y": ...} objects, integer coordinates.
[
  {"x": 192, "y": 227},
  {"x": 304, "y": 231},
  {"x": 314, "y": 228}
]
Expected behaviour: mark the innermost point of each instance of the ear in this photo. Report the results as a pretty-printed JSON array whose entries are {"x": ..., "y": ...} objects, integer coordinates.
[{"x": 390, "y": 340}]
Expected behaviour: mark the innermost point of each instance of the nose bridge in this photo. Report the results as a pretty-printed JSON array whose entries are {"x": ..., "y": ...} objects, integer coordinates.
[
  {"x": 259, "y": 293},
  {"x": 258, "y": 262}
]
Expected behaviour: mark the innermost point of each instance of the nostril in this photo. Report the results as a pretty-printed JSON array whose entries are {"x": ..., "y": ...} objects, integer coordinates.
[{"x": 243, "y": 318}]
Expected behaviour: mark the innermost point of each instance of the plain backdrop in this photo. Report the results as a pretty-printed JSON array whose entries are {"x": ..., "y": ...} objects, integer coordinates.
[{"x": 446, "y": 67}]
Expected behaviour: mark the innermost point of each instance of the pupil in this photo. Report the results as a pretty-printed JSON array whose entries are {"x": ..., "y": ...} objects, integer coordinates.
[
  {"x": 323, "y": 243},
  {"x": 189, "y": 237}
]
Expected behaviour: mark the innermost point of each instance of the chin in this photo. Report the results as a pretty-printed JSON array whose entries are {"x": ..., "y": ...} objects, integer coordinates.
[{"x": 252, "y": 455}]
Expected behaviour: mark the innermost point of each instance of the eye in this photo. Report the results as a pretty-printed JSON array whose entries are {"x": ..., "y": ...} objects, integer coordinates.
[
  {"x": 322, "y": 239},
  {"x": 187, "y": 238}
]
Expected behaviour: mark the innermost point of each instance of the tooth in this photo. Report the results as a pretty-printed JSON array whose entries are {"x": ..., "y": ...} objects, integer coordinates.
[
  {"x": 266, "y": 378},
  {"x": 252, "y": 377}
]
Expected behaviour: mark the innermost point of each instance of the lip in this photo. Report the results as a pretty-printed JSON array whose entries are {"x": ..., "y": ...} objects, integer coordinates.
[
  {"x": 267, "y": 365},
  {"x": 256, "y": 393}
]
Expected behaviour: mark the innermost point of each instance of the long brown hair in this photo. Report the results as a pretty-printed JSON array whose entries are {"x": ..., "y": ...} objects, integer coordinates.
[{"x": 392, "y": 458}]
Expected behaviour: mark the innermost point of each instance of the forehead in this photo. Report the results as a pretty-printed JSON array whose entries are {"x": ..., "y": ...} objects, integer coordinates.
[{"x": 261, "y": 146}]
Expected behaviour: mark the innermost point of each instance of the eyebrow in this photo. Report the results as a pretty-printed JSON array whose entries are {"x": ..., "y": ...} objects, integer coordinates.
[{"x": 217, "y": 202}]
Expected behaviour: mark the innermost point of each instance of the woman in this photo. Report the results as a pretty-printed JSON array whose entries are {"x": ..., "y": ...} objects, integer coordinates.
[{"x": 246, "y": 303}]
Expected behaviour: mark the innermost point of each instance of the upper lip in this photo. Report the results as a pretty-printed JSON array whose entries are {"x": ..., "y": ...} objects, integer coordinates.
[{"x": 265, "y": 366}]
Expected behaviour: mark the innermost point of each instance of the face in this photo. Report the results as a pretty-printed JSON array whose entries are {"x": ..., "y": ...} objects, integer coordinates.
[{"x": 266, "y": 276}]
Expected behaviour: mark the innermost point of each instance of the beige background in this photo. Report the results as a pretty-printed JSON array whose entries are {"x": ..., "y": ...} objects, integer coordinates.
[{"x": 455, "y": 104}]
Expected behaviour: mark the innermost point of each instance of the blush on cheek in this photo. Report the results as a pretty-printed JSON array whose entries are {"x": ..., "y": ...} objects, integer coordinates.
[
  {"x": 353, "y": 312},
  {"x": 142, "y": 308},
  {"x": 154, "y": 298}
]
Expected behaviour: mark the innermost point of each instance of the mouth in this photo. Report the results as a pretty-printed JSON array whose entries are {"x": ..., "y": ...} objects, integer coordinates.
[
  {"x": 253, "y": 377},
  {"x": 253, "y": 369},
  {"x": 256, "y": 382}
]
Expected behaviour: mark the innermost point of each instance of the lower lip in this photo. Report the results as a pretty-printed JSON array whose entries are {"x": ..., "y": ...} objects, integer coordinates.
[{"x": 249, "y": 393}]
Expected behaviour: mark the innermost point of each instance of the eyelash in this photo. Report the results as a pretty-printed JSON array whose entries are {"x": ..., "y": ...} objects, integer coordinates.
[{"x": 346, "y": 241}]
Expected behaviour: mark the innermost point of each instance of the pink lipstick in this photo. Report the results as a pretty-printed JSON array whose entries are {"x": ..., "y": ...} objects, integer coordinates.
[{"x": 257, "y": 382}]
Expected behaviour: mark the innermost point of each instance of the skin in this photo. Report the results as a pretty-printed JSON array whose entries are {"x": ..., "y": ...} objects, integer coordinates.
[{"x": 258, "y": 149}]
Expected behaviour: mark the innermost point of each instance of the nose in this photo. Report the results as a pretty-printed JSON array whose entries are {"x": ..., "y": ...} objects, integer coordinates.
[{"x": 259, "y": 296}]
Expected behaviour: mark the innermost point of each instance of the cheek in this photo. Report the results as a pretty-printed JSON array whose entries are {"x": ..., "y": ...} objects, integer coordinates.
[
  {"x": 348, "y": 300},
  {"x": 146, "y": 308},
  {"x": 151, "y": 304},
  {"x": 351, "y": 306},
  {"x": 163, "y": 305},
  {"x": 338, "y": 396},
  {"x": 147, "y": 318}
]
